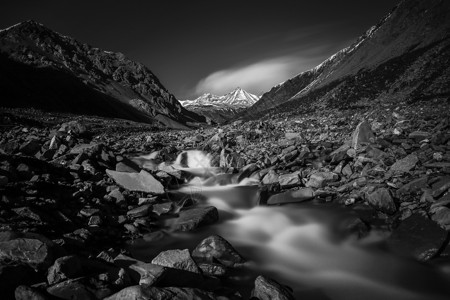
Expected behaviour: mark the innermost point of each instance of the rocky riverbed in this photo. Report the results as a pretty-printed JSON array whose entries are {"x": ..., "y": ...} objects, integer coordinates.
[{"x": 76, "y": 192}]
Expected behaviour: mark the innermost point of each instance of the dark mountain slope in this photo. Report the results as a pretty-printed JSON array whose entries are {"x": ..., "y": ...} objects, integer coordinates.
[
  {"x": 403, "y": 58},
  {"x": 43, "y": 69}
]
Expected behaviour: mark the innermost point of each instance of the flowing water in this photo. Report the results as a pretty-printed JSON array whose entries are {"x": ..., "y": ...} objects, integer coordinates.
[{"x": 300, "y": 245}]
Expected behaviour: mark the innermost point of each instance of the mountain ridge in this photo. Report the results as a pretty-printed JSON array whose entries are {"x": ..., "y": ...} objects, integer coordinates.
[{"x": 89, "y": 75}]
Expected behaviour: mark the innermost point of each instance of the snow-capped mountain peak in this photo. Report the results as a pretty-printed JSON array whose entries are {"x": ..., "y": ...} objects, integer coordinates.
[{"x": 237, "y": 98}]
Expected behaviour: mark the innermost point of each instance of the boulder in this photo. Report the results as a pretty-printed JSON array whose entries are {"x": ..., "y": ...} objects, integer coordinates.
[
  {"x": 321, "y": 179},
  {"x": 64, "y": 268},
  {"x": 403, "y": 165},
  {"x": 268, "y": 289},
  {"x": 300, "y": 195},
  {"x": 362, "y": 134},
  {"x": 195, "y": 217},
  {"x": 30, "y": 251},
  {"x": 381, "y": 199},
  {"x": 139, "y": 182},
  {"x": 216, "y": 248},
  {"x": 178, "y": 259}
]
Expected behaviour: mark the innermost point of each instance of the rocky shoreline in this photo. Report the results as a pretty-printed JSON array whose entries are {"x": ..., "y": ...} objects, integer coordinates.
[{"x": 72, "y": 196}]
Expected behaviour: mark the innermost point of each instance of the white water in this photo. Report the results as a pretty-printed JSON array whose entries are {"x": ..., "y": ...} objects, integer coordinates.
[{"x": 300, "y": 246}]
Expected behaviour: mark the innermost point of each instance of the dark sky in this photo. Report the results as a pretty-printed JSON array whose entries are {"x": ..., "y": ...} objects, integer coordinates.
[{"x": 197, "y": 46}]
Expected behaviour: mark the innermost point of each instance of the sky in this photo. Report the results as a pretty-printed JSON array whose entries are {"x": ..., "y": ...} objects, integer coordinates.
[{"x": 201, "y": 46}]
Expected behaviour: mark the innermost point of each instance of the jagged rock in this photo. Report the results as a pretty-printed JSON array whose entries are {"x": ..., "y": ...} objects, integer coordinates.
[
  {"x": 30, "y": 251},
  {"x": 300, "y": 195},
  {"x": 441, "y": 215},
  {"x": 24, "y": 292},
  {"x": 362, "y": 134},
  {"x": 64, "y": 268},
  {"x": 195, "y": 217},
  {"x": 268, "y": 289},
  {"x": 162, "y": 208},
  {"x": 216, "y": 248},
  {"x": 140, "y": 211},
  {"x": 381, "y": 199},
  {"x": 170, "y": 293},
  {"x": 288, "y": 180},
  {"x": 417, "y": 236},
  {"x": 321, "y": 179},
  {"x": 270, "y": 177},
  {"x": 71, "y": 289},
  {"x": 403, "y": 165},
  {"x": 140, "y": 182},
  {"x": 178, "y": 259},
  {"x": 441, "y": 186}
]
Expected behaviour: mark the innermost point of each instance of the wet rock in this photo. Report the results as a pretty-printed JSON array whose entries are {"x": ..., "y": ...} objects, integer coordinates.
[
  {"x": 140, "y": 182},
  {"x": 177, "y": 259},
  {"x": 268, "y": 289},
  {"x": 300, "y": 195},
  {"x": 24, "y": 292},
  {"x": 195, "y": 217},
  {"x": 216, "y": 248},
  {"x": 149, "y": 293},
  {"x": 64, "y": 268},
  {"x": 162, "y": 208},
  {"x": 321, "y": 179},
  {"x": 362, "y": 134},
  {"x": 417, "y": 236},
  {"x": 140, "y": 211},
  {"x": 381, "y": 199}
]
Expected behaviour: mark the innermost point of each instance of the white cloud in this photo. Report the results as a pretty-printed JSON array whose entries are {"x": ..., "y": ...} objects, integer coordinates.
[{"x": 256, "y": 77}]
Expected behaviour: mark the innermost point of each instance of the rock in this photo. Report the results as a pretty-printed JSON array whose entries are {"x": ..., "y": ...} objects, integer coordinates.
[
  {"x": 403, "y": 165},
  {"x": 381, "y": 199},
  {"x": 362, "y": 134},
  {"x": 300, "y": 195},
  {"x": 30, "y": 147},
  {"x": 293, "y": 135},
  {"x": 170, "y": 293},
  {"x": 439, "y": 165},
  {"x": 30, "y": 251},
  {"x": 64, "y": 268},
  {"x": 140, "y": 211},
  {"x": 162, "y": 208},
  {"x": 289, "y": 180},
  {"x": 195, "y": 217},
  {"x": 216, "y": 248},
  {"x": 321, "y": 179},
  {"x": 441, "y": 215},
  {"x": 71, "y": 289},
  {"x": 417, "y": 236},
  {"x": 139, "y": 182},
  {"x": 73, "y": 127},
  {"x": 178, "y": 259},
  {"x": 268, "y": 289},
  {"x": 419, "y": 135},
  {"x": 24, "y": 171},
  {"x": 271, "y": 177},
  {"x": 441, "y": 186},
  {"x": 127, "y": 166},
  {"x": 24, "y": 292},
  {"x": 12, "y": 275},
  {"x": 413, "y": 186}
]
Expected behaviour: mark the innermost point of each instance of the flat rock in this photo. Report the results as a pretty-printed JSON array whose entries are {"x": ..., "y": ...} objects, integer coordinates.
[
  {"x": 268, "y": 289},
  {"x": 216, "y": 248},
  {"x": 291, "y": 179},
  {"x": 417, "y": 236},
  {"x": 300, "y": 195},
  {"x": 139, "y": 182},
  {"x": 32, "y": 252},
  {"x": 321, "y": 179},
  {"x": 140, "y": 211},
  {"x": 195, "y": 217},
  {"x": 404, "y": 165},
  {"x": 178, "y": 259},
  {"x": 381, "y": 199}
]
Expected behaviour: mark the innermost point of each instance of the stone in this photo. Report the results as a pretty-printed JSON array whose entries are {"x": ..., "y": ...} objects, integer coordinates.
[
  {"x": 441, "y": 186},
  {"x": 417, "y": 236},
  {"x": 140, "y": 211},
  {"x": 64, "y": 268},
  {"x": 30, "y": 147},
  {"x": 419, "y": 135},
  {"x": 413, "y": 186},
  {"x": 196, "y": 217},
  {"x": 139, "y": 182},
  {"x": 289, "y": 180},
  {"x": 168, "y": 293},
  {"x": 178, "y": 259},
  {"x": 441, "y": 216},
  {"x": 347, "y": 170},
  {"x": 71, "y": 289},
  {"x": 362, "y": 134},
  {"x": 24, "y": 292},
  {"x": 292, "y": 135},
  {"x": 116, "y": 195},
  {"x": 271, "y": 177},
  {"x": 127, "y": 166},
  {"x": 162, "y": 208},
  {"x": 30, "y": 251},
  {"x": 300, "y": 195},
  {"x": 216, "y": 248},
  {"x": 268, "y": 289},
  {"x": 321, "y": 179},
  {"x": 381, "y": 199},
  {"x": 24, "y": 171},
  {"x": 403, "y": 165}
]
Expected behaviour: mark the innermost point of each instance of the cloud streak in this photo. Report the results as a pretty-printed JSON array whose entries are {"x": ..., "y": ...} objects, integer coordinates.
[{"x": 256, "y": 77}]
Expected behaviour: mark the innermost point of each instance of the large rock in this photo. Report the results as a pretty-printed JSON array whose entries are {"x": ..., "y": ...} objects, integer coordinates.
[
  {"x": 321, "y": 179},
  {"x": 170, "y": 293},
  {"x": 381, "y": 199},
  {"x": 64, "y": 268},
  {"x": 139, "y": 182},
  {"x": 195, "y": 217},
  {"x": 362, "y": 134},
  {"x": 441, "y": 215},
  {"x": 268, "y": 289},
  {"x": 72, "y": 289},
  {"x": 403, "y": 165},
  {"x": 178, "y": 259},
  {"x": 417, "y": 236},
  {"x": 216, "y": 248},
  {"x": 30, "y": 251},
  {"x": 291, "y": 179},
  {"x": 24, "y": 292},
  {"x": 300, "y": 195}
]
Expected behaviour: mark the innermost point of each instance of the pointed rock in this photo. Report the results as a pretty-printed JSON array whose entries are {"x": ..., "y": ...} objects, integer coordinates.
[
  {"x": 267, "y": 289},
  {"x": 177, "y": 259},
  {"x": 216, "y": 248},
  {"x": 362, "y": 134}
]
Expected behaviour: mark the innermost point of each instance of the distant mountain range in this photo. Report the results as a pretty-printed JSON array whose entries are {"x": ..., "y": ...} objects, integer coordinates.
[
  {"x": 402, "y": 59},
  {"x": 221, "y": 108},
  {"x": 43, "y": 69}
]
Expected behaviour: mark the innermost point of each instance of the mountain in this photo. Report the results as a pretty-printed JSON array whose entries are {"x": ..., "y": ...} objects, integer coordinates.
[
  {"x": 221, "y": 108},
  {"x": 403, "y": 58},
  {"x": 43, "y": 69}
]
